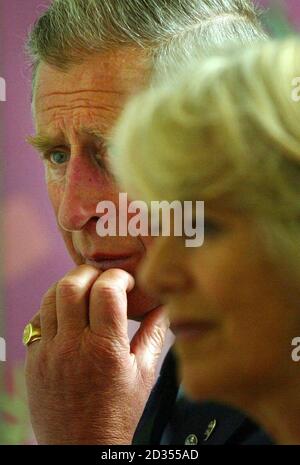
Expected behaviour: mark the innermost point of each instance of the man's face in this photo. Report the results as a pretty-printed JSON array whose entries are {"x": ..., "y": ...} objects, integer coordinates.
[{"x": 74, "y": 113}]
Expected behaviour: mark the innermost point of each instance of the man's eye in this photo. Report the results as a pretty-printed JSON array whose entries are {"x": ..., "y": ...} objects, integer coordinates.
[{"x": 58, "y": 158}]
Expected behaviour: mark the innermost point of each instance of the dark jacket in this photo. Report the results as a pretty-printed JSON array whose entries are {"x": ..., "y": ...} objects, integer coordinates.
[{"x": 170, "y": 418}]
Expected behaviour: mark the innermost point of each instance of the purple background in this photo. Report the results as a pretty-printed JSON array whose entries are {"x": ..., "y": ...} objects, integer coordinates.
[{"x": 35, "y": 256}]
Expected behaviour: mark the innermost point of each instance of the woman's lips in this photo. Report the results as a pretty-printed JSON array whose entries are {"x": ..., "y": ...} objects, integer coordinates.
[{"x": 191, "y": 330}]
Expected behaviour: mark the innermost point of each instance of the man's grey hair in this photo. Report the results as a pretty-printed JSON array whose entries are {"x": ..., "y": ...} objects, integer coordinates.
[{"x": 168, "y": 30}]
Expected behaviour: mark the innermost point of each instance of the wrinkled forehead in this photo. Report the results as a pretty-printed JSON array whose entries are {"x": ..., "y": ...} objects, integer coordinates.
[{"x": 116, "y": 74}]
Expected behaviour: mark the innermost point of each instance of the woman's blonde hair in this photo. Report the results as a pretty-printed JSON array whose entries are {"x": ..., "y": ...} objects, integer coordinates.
[{"x": 227, "y": 128}]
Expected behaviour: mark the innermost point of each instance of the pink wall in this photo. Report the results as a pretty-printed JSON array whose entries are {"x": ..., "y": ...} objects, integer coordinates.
[
  {"x": 35, "y": 255},
  {"x": 292, "y": 8}
]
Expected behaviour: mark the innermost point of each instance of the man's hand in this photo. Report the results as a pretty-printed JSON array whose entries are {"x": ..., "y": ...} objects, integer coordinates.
[{"x": 87, "y": 384}]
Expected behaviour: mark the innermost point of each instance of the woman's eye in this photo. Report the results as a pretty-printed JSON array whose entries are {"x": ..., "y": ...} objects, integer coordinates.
[
  {"x": 58, "y": 158},
  {"x": 212, "y": 227},
  {"x": 101, "y": 161}
]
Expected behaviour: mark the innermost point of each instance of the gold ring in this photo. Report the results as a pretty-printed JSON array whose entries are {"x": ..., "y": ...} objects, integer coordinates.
[{"x": 31, "y": 334}]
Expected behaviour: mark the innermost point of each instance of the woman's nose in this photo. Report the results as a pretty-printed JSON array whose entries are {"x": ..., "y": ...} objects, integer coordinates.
[{"x": 163, "y": 271}]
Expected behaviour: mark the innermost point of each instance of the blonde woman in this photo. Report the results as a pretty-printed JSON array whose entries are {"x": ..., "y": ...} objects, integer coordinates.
[{"x": 227, "y": 132}]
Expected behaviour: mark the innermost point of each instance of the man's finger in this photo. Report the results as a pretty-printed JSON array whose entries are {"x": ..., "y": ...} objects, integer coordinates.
[
  {"x": 48, "y": 317},
  {"x": 108, "y": 304},
  {"x": 72, "y": 298}
]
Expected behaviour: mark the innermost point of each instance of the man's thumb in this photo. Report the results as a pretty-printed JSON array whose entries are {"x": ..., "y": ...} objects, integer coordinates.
[{"x": 148, "y": 341}]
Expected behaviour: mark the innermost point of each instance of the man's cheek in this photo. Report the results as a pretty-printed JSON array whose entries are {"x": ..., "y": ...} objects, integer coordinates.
[
  {"x": 55, "y": 175},
  {"x": 69, "y": 242},
  {"x": 55, "y": 193},
  {"x": 147, "y": 241}
]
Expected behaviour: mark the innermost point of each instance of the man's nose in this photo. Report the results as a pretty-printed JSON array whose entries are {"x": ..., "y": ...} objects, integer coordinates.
[
  {"x": 80, "y": 194},
  {"x": 164, "y": 272}
]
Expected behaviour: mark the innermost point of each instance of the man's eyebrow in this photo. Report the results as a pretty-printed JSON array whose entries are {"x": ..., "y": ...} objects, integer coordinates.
[
  {"x": 95, "y": 132},
  {"x": 42, "y": 143}
]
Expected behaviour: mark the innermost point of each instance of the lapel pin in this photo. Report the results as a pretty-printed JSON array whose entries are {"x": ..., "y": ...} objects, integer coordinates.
[
  {"x": 191, "y": 440},
  {"x": 211, "y": 426}
]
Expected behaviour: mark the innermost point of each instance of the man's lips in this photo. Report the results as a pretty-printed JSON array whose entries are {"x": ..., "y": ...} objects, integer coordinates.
[
  {"x": 106, "y": 262},
  {"x": 187, "y": 330}
]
